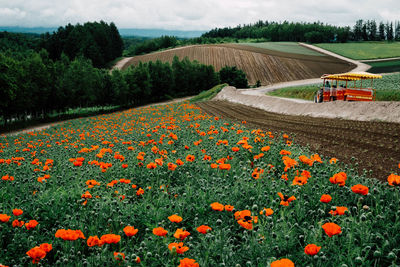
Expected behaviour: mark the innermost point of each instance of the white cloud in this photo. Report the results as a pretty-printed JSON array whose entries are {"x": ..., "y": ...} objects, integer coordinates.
[{"x": 192, "y": 14}]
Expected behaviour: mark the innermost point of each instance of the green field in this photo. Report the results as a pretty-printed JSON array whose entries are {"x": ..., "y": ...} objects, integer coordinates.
[
  {"x": 364, "y": 50},
  {"x": 384, "y": 66},
  {"x": 387, "y": 89},
  {"x": 287, "y": 47}
]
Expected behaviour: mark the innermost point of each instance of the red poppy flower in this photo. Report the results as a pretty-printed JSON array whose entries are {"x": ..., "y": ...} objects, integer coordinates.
[
  {"x": 229, "y": 207},
  {"x": 217, "y": 206},
  {"x": 285, "y": 200},
  {"x": 159, "y": 231},
  {"x": 339, "y": 178},
  {"x": 130, "y": 230},
  {"x": 325, "y": 198},
  {"x": 186, "y": 262},
  {"x": 17, "y": 212},
  {"x": 110, "y": 238},
  {"x": 181, "y": 234},
  {"x": 267, "y": 212},
  {"x": 311, "y": 249},
  {"x": 338, "y": 211},
  {"x": 203, "y": 229},
  {"x": 394, "y": 180},
  {"x": 31, "y": 224},
  {"x": 331, "y": 229},
  {"x": 17, "y": 223},
  {"x": 360, "y": 189},
  {"x": 94, "y": 241},
  {"x": 36, "y": 254},
  {"x": 178, "y": 247},
  {"x": 119, "y": 256},
  {"x": 282, "y": 263},
  {"x": 175, "y": 218},
  {"x": 4, "y": 218}
]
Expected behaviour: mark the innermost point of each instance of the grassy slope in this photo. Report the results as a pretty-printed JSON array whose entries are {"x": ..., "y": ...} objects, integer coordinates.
[
  {"x": 384, "y": 66},
  {"x": 364, "y": 50},
  {"x": 206, "y": 95},
  {"x": 388, "y": 89}
]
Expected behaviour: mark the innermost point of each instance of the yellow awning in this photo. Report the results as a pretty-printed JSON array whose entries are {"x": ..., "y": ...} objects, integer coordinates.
[{"x": 351, "y": 76}]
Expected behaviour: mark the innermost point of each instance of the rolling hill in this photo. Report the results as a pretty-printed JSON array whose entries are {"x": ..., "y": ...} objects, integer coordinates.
[{"x": 268, "y": 64}]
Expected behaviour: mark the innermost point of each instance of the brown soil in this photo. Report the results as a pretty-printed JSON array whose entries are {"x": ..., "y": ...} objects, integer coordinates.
[
  {"x": 267, "y": 66},
  {"x": 373, "y": 145}
]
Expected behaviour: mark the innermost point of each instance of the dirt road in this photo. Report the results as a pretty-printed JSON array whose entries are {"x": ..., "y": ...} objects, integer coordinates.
[{"x": 374, "y": 145}]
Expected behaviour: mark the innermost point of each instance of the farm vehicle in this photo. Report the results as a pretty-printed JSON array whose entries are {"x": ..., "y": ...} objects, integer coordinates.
[{"x": 350, "y": 86}]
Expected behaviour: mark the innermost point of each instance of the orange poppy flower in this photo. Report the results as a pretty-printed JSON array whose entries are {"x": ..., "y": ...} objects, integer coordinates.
[
  {"x": 190, "y": 158},
  {"x": 282, "y": 263},
  {"x": 17, "y": 212},
  {"x": 110, "y": 238},
  {"x": 151, "y": 166},
  {"x": 229, "y": 207},
  {"x": 179, "y": 162},
  {"x": 311, "y": 249},
  {"x": 217, "y": 206},
  {"x": 338, "y": 211},
  {"x": 178, "y": 247},
  {"x": 159, "y": 231},
  {"x": 4, "y": 218},
  {"x": 36, "y": 254},
  {"x": 46, "y": 247},
  {"x": 172, "y": 166},
  {"x": 175, "y": 218},
  {"x": 214, "y": 166},
  {"x": 94, "y": 241},
  {"x": 394, "y": 180},
  {"x": 17, "y": 223},
  {"x": 265, "y": 148},
  {"x": 267, "y": 212},
  {"x": 235, "y": 149},
  {"x": 247, "y": 224},
  {"x": 325, "y": 198},
  {"x": 225, "y": 167},
  {"x": 139, "y": 192},
  {"x": 360, "y": 189},
  {"x": 285, "y": 200},
  {"x": 339, "y": 178},
  {"x": 299, "y": 180},
  {"x": 31, "y": 224},
  {"x": 285, "y": 152},
  {"x": 203, "y": 229},
  {"x": 181, "y": 234},
  {"x": 331, "y": 229},
  {"x": 69, "y": 234},
  {"x": 130, "y": 230},
  {"x": 333, "y": 161},
  {"x": 186, "y": 262}
]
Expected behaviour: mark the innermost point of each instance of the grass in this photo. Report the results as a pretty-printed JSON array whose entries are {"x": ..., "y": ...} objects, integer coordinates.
[
  {"x": 387, "y": 89},
  {"x": 364, "y": 50},
  {"x": 55, "y": 116},
  {"x": 384, "y": 66},
  {"x": 288, "y": 47},
  {"x": 209, "y": 94},
  {"x": 140, "y": 166}
]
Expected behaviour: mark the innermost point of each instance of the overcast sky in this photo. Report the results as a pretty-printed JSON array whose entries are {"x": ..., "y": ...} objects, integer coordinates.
[{"x": 192, "y": 14}]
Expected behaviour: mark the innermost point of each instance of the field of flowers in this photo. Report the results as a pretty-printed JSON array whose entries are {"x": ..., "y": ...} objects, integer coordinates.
[{"x": 169, "y": 185}]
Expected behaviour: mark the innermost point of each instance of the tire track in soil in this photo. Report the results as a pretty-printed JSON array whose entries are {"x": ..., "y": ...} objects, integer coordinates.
[{"x": 374, "y": 145}]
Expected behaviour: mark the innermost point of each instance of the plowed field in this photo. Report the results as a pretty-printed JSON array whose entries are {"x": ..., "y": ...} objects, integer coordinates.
[
  {"x": 267, "y": 66},
  {"x": 368, "y": 145}
]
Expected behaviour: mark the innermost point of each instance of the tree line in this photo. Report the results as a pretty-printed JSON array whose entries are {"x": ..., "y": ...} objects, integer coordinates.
[
  {"x": 33, "y": 85},
  {"x": 316, "y": 32},
  {"x": 98, "y": 41}
]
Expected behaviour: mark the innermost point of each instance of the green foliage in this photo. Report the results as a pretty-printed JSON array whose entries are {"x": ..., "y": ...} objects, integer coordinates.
[
  {"x": 306, "y": 92},
  {"x": 97, "y": 41},
  {"x": 384, "y": 66},
  {"x": 209, "y": 94},
  {"x": 365, "y": 50},
  {"x": 57, "y": 203},
  {"x": 233, "y": 77},
  {"x": 147, "y": 46}
]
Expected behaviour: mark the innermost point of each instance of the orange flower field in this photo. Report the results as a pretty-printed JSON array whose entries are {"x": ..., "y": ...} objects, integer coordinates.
[{"x": 170, "y": 186}]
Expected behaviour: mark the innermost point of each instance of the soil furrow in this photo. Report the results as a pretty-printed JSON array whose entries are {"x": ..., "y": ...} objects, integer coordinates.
[{"x": 375, "y": 145}]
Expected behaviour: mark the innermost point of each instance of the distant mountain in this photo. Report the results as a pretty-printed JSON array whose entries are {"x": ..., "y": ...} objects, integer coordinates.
[
  {"x": 159, "y": 32},
  {"x": 123, "y": 32},
  {"x": 27, "y": 30}
]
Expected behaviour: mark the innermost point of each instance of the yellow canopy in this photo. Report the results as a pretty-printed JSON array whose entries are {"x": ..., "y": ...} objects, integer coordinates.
[{"x": 351, "y": 76}]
